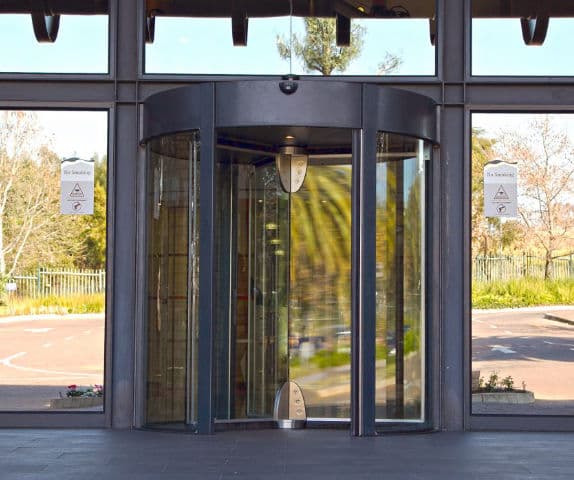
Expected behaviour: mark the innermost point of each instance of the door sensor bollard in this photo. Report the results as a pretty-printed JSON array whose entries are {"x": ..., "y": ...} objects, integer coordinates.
[{"x": 290, "y": 409}]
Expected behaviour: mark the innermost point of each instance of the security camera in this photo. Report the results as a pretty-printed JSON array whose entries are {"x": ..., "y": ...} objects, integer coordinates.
[{"x": 288, "y": 84}]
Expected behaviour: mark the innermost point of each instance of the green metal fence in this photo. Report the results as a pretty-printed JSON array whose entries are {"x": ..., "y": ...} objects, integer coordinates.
[
  {"x": 502, "y": 267},
  {"x": 60, "y": 282}
]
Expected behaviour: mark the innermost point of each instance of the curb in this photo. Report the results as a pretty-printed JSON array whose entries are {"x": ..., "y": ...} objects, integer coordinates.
[
  {"x": 556, "y": 318},
  {"x": 539, "y": 308}
]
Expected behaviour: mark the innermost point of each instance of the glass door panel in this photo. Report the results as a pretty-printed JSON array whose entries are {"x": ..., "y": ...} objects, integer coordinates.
[
  {"x": 400, "y": 294},
  {"x": 252, "y": 281},
  {"x": 172, "y": 279},
  {"x": 269, "y": 267},
  {"x": 320, "y": 307}
]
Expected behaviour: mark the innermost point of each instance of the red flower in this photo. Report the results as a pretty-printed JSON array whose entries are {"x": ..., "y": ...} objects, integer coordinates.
[{"x": 72, "y": 387}]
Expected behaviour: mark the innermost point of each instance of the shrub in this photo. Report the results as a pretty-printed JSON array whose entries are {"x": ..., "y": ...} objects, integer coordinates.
[
  {"x": 94, "y": 303},
  {"x": 523, "y": 292}
]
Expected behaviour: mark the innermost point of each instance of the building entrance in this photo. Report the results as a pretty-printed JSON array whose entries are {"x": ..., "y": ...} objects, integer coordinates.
[{"x": 286, "y": 243}]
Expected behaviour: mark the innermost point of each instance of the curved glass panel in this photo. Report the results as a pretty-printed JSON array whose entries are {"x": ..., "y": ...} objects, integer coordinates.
[
  {"x": 400, "y": 337},
  {"x": 172, "y": 280}
]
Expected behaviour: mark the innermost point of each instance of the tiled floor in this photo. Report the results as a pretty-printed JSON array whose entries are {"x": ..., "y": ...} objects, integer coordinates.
[{"x": 275, "y": 454}]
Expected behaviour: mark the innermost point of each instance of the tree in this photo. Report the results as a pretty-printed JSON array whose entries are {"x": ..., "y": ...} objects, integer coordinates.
[
  {"x": 487, "y": 233},
  {"x": 26, "y": 187},
  {"x": 545, "y": 156},
  {"x": 390, "y": 64},
  {"x": 32, "y": 230},
  {"x": 94, "y": 226},
  {"x": 318, "y": 47}
]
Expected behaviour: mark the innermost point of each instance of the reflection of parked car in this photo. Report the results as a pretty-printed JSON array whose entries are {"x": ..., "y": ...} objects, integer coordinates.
[
  {"x": 391, "y": 336},
  {"x": 296, "y": 342}
]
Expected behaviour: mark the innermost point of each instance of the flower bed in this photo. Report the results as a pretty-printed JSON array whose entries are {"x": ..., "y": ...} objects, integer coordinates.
[
  {"x": 77, "y": 397},
  {"x": 496, "y": 390}
]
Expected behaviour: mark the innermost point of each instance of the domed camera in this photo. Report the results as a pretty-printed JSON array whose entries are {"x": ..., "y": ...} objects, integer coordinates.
[{"x": 288, "y": 84}]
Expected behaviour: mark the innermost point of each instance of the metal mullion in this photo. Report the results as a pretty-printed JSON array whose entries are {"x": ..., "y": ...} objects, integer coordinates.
[
  {"x": 206, "y": 261},
  {"x": 363, "y": 277}
]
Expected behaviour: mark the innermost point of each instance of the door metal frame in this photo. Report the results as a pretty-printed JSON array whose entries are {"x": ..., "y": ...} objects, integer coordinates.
[{"x": 363, "y": 108}]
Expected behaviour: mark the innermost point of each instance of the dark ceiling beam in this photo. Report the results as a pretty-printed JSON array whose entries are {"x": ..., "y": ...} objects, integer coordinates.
[
  {"x": 268, "y": 8},
  {"x": 521, "y": 8}
]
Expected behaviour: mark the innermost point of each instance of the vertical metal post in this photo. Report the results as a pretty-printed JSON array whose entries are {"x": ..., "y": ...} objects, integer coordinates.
[
  {"x": 39, "y": 282},
  {"x": 206, "y": 260},
  {"x": 363, "y": 270},
  {"x": 399, "y": 292},
  {"x": 453, "y": 208}
]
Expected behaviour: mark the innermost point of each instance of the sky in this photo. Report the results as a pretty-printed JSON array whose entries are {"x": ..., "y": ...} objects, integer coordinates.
[
  {"x": 76, "y": 134},
  {"x": 185, "y": 45},
  {"x": 493, "y": 124}
]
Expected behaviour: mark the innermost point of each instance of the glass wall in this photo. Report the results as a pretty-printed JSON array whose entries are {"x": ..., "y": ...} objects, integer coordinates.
[
  {"x": 388, "y": 39},
  {"x": 172, "y": 280},
  {"x": 507, "y": 38},
  {"x": 522, "y": 228},
  {"x": 81, "y": 45},
  {"x": 53, "y": 185},
  {"x": 400, "y": 327}
]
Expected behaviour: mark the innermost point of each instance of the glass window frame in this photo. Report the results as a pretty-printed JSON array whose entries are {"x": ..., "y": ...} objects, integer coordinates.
[
  {"x": 97, "y": 76},
  {"x": 488, "y": 421},
  {"x": 70, "y": 418},
  {"x": 543, "y": 79},
  {"x": 390, "y": 79}
]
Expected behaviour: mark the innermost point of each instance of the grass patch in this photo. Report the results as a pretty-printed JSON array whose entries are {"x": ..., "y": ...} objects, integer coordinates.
[
  {"x": 60, "y": 305},
  {"x": 525, "y": 292},
  {"x": 329, "y": 358}
]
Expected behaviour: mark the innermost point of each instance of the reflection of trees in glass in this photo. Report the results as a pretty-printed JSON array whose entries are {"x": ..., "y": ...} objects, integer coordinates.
[
  {"x": 318, "y": 48},
  {"x": 319, "y": 52},
  {"x": 321, "y": 248},
  {"x": 400, "y": 296}
]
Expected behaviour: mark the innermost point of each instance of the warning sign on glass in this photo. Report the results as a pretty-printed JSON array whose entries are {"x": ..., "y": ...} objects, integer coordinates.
[
  {"x": 77, "y": 187},
  {"x": 500, "y": 189}
]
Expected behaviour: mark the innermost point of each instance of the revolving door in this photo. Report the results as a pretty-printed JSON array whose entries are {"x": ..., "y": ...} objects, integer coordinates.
[{"x": 286, "y": 242}]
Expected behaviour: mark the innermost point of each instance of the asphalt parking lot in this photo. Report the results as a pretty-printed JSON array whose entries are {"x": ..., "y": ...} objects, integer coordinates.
[
  {"x": 530, "y": 348},
  {"x": 41, "y": 355}
]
